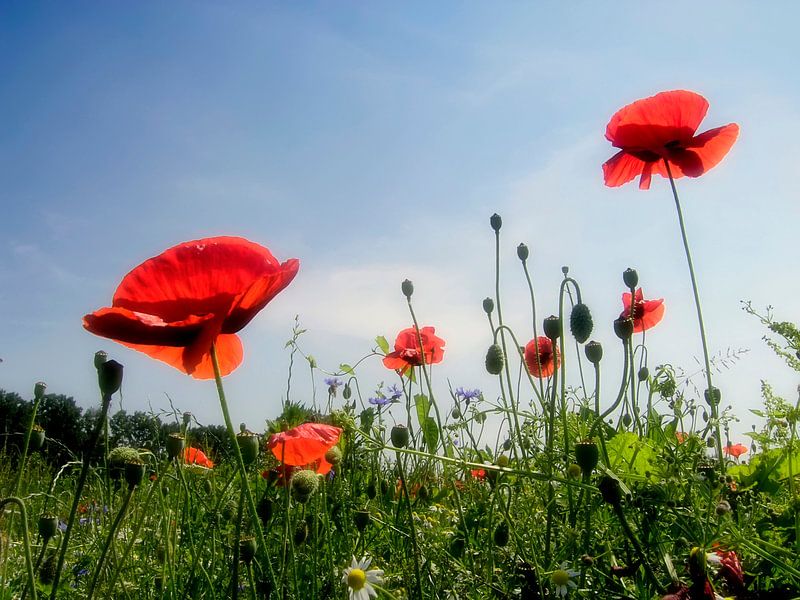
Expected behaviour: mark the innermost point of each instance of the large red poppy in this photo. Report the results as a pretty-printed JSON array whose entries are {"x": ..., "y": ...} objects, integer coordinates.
[
  {"x": 193, "y": 456},
  {"x": 549, "y": 358},
  {"x": 407, "y": 352},
  {"x": 305, "y": 445},
  {"x": 646, "y": 313},
  {"x": 735, "y": 450},
  {"x": 174, "y": 306},
  {"x": 661, "y": 127}
]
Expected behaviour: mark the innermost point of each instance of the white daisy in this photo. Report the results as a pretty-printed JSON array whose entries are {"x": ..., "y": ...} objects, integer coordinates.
[
  {"x": 561, "y": 579},
  {"x": 359, "y": 579}
]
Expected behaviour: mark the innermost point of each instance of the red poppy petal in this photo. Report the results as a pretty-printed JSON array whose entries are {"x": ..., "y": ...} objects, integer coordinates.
[
  {"x": 304, "y": 444},
  {"x": 229, "y": 356},
  {"x": 394, "y": 362},
  {"x": 324, "y": 467},
  {"x": 259, "y": 294},
  {"x": 139, "y": 328},
  {"x": 653, "y": 313},
  {"x": 197, "y": 277},
  {"x": 622, "y": 168},
  {"x": 650, "y": 123},
  {"x": 710, "y": 147}
]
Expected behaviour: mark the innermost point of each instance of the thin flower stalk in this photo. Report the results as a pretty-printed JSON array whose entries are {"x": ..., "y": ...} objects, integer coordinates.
[{"x": 26, "y": 543}]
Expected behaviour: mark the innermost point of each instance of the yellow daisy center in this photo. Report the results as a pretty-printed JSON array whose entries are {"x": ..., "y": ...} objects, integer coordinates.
[
  {"x": 356, "y": 579},
  {"x": 560, "y": 577}
]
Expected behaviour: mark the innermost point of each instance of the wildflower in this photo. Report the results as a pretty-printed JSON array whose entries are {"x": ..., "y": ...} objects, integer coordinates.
[
  {"x": 735, "y": 451},
  {"x": 408, "y": 353},
  {"x": 194, "y": 456},
  {"x": 333, "y": 384},
  {"x": 304, "y": 445},
  {"x": 561, "y": 579},
  {"x": 468, "y": 395},
  {"x": 681, "y": 436},
  {"x": 479, "y": 474},
  {"x": 379, "y": 401},
  {"x": 394, "y": 393},
  {"x": 359, "y": 579},
  {"x": 548, "y": 357},
  {"x": 661, "y": 129},
  {"x": 175, "y": 306},
  {"x": 646, "y": 313},
  {"x": 729, "y": 568}
]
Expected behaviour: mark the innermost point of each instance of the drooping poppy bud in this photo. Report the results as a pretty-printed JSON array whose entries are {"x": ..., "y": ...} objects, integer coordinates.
[
  {"x": 594, "y": 352},
  {"x": 247, "y": 549},
  {"x": 399, "y": 436},
  {"x": 346, "y": 391},
  {"x": 580, "y": 322},
  {"x": 574, "y": 471},
  {"x": 712, "y": 396},
  {"x": 552, "y": 327},
  {"x": 631, "y": 278},
  {"x": 495, "y": 360},
  {"x": 643, "y": 374},
  {"x": 109, "y": 377},
  {"x": 623, "y": 327},
  {"x": 522, "y": 252},
  {"x": 300, "y": 533},
  {"x": 372, "y": 489},
  {"x": 496, "y": 222},
  {"x": 587, "y": 455},
  {"x": 334, "y": 455},
  {"x": 408, "y": 288},
  {"x": 488, "y": 305}
]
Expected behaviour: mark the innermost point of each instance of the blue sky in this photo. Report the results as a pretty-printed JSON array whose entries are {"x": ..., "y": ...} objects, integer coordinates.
[{"x": 373, "y": 141}]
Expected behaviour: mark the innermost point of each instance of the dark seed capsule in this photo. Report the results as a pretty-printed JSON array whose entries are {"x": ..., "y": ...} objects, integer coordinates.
[
  {"x": 552, "y": 327},
  {"x": 594, "y": 352},
  {"x": 488, "y": 305},
  {"x": 580, "y": 323},
  {"x": 496, "y": 222},
  {"x": 500, "y": 536},
  {"x": 495, "y": 359},
  {"x": 630, "y": 277}
]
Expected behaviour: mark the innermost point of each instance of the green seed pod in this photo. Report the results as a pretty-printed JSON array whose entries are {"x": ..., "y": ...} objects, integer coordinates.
[
  {"x": 587, "y": 455},
  {"x": 408, "y": 288},
  {"x": 500, "y": 536},
  {"x": 580, "y": 322},
  {"x": 361, "y": 518},
  {"x": 631, "y": 278},
  {"x": 334, "y": 455},
  {"x": 623, "y": 327},
  {"x": 495, "y": 360},
  {"x": 304, "y": 484},
  {"x": 610, "y": 490},
  {"x": 117, "y": 459},
  {"x": 712, "y": 396},
  {"x": 134, "y": 473},
  {"x": 399, "y": 436},
  {"x": 36, "y": 440},
  {"x": 300, "y": 533},
  {"x": 175, "y": 444},
  {"x": 552, "y": 327},
  {"x": 488, "y": 306},
  {"x": 264, "y": 509},
  {"x": 39, "y": 390},
  {"x": 346, "y": 391},
  {"x": 48, "y": 525},
  {"x": 248, "y": 446},
  {"x": 109, "y": 377},
  {"x": 594, "y": 352},
  {"x": 496, "y": 222},
  {"x": 522, "y": 252},
  {"x": 99, "y": 358},
  {"x": 643, "y": 374},
  {"x": 247, "y": 549},
  {"x": 706, "y": 469},
  {"x": 574, "y": 471}
]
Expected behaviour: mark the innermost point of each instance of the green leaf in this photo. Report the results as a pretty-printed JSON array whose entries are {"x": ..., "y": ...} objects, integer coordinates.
[
  {"x": 423, "y": 408},
  {"x": 346, "y": 369},
  {"x": 430, "y": 433},
  {"x": 627, "y": 451},
  {"x": 382, "y": 344},
  {"x": 367, "y": 418}
]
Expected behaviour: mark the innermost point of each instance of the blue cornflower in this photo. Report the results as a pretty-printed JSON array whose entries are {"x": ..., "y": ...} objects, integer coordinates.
[
  {"x": 394, "y": 392},
  {"x": 333, "y": 382},
  {"x": 379, "y": 401},
  {"x": 467, "y": 395}
]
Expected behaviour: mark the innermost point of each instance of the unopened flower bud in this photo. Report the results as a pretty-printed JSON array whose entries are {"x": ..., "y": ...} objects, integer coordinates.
[
  {"x": 334, "y": 455},
  {"x": 408, "y": 288},
  {"x": 594, "y": 352},
  {"x": 304, "y": 484},
  {"x": 488, "y": 305},
  {"x": 109, "y": 377},
  {"x": 248, "y": 446},
  {"x": 712, "y": 396},
  {"x": 496, "y": 222},
  {"x": 500, "y": 536},
  {"x": 631, "y": 278},
  {"x": 552, "y": 327},
  {"x": 264, "y": 509},
  {"x": 39, "y": 390},
  {"x": 610, "y": 490},
  {"x": 723, "y": 507},
  {"x": 346, "y": 391},
  {"x": 522, "y": 252},
  {"x": 643, "y": 374}
]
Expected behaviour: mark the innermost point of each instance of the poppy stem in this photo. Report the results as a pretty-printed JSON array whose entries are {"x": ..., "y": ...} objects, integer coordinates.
[
  {"x": 25, "y": 541},
  {"x": 251, "y": 504},
  {"x": 712, "y": 397}
]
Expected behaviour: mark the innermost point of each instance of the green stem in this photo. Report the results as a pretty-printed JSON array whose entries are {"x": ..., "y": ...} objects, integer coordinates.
[
  {"x": 26, "y": 442},
  {"x": 109, "y": 541},
  {"x": 25, "y": 540},
  {"x": 412, "y": 526},
  {"x": 712, "y": 401}
]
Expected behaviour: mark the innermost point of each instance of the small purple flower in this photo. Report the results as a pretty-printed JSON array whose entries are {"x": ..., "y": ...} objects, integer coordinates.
[
  {"x": 394, "y": 392},
  {"x": 333, "y": 382},
  {"x": 62, "y": 526},
  {"x": 467, "y": 395},
  {"x": 379, "y": 401}
]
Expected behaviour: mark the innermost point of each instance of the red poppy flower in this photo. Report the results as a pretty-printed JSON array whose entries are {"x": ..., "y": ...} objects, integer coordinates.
[
  {"x": 304, "y": 445},
  {"x": 735, "y": 451},
  {"x": 194, "y": 456},
  {"x": 549, "y": 358},
  {"x": 479, "y": 474},
  {"x": 174, "y": 306},
  {"x": 407, "y": 352},
  {"x": 660, "y": 128},
  {"x": 646, "y": 313}
]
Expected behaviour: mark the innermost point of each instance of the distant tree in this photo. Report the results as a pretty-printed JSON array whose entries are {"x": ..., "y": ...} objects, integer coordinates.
[
  {"x": 138, "y": 430},
  {"x": 62, "y": 421},
  {"x": 14, "y": 415}
]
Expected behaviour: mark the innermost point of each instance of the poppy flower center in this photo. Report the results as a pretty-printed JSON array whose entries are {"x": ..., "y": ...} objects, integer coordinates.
[
  {"x": 356, "y": 579},
  {"x": 673, "y": 145},
  {"x": 638, "y": 310},
  {"x": 560, "y": 577},
  {"x": 411, "y": 356}
]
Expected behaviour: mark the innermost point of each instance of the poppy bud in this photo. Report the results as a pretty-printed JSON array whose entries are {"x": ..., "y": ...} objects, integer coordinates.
[
  {"x": 134, "y": 473},
  {"x": 39, "y": 390},
  {"x": 496, "y": 222},
  {"x": 507, "y": 444},
  {"x": 627, "y": 419},
  {"x": 587, "y": 455},
  {"x": 643, "y": 374},
  {"x": 565, "y": 270},
  {"x": 300, "y": 533},
  {"x": 248, "y": 446},
  {"x": 247, "y": 549},
  {"x": 334, "y": 455},
  {"x": 174, "y": 445},
  {"x": 610, "y": 490},
  {"x": 495, "y": 360},
  {"x": 346, "y": 391},
  {"x": 631, "y": 278},
  {"x": 47, "y": 572},
  {"x": 455, "y": 413},
  {"x": 304, "y": 484},
  {"x": 99, "y": 358},
  {"x": 712, "y": 396},
  {"x": 502, "y": 461},
  {"x": 580, "y": 322},
  {"x": 384, "y": 487},
  {"x": 408, "y": 288},
  {"x": 264, "y": 509},
  {"x": 552, "y": 327},
  {"x": 500, "y": 536},
  {"x": 623, "y": 327},
  {"x": 594, "y": 352},
  {"x": 399, "y": 436},
  {"x": 48, "y": 525},
  {"x": 109, "y": 376},
  {"x": 587, "y": 560},
  {"x": 36, "y": 441},
  {"x": 423, "y": 493},
  {"x": 488, "y": 305},
  {"x": 574, "y": 471},
  {"x": 522, "y": 252},
  {"x": 361, "y": 518}
]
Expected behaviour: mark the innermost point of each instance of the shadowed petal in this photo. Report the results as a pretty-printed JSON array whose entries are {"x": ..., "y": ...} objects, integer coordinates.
[
  {"x": 259, "y": 294},
  {"x": 229, "y": 356},
  {"x": 139, "y": 328},
  {"x": 622, "y": 168}
]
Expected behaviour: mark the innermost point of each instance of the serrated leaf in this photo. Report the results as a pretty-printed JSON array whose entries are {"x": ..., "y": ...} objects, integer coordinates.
[{"x": 382, "y": 344}]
